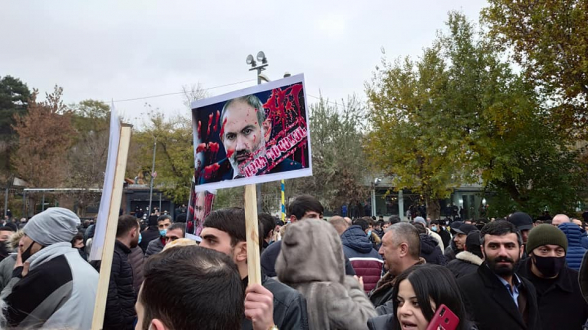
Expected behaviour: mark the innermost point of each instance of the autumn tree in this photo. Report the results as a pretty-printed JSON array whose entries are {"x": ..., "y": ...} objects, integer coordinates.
[
  {"x": 174, "y": 160},
  {"x": 549, "y": 39},
  {"x": 338, "y": 160},
  {"x": 45, "y": 134},
  {"x": 87, "y": 157},
  {"x": 460, "y": 115}
]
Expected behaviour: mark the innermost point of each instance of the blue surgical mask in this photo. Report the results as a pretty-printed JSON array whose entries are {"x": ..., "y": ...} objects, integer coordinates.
[
  {"x": 140, "y": 238},
  {"x": 434, "y": 228},
  {"x": 162, "y": 232},
  {"x": 369, "y": 233}
]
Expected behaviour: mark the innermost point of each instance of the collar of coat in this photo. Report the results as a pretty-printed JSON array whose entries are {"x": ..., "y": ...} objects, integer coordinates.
[
  {"x": 563, "y": 280},
  {"x": 469, "y": 257},
  {"x": 387, "y": 281}
]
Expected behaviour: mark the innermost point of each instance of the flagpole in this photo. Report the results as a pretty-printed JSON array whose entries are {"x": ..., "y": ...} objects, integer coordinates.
[{"x": 152, "y": 171}]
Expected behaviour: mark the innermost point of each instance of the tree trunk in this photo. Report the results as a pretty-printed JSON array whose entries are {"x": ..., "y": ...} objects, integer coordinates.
[{"x": 433, "y": 208}]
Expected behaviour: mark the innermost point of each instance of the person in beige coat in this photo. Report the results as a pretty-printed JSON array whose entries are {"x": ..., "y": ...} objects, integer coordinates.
[{"x": 312, "y": 262}]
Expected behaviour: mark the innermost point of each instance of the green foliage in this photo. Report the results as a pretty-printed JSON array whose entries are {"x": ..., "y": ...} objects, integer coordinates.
[
  {"x": 14, "y": 98},
  {"x": 460, "y": 115},
  {"x": 549, "y": 39},
  {"x": 174, "y": 160},
  {"x": 338, "y": 160}
]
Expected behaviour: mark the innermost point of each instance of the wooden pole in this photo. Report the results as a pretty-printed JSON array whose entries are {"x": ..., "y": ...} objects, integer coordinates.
[
  {"x": 108, "y": 248},
  {"x": 251, "y": 226}
]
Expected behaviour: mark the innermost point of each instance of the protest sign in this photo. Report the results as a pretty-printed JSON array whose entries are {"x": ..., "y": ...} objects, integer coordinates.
[
  {"x": 118, "y": 149},
  {"x": 258, "y": 134},
  {"x": 199, "y": 206},
  {"x": 102, "y": 218}
]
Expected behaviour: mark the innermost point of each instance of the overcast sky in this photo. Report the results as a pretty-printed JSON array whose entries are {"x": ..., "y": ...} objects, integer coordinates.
[{"x": 128, "y": 49}]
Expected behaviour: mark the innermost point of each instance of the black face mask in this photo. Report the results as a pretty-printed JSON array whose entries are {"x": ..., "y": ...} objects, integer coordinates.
[
  {"x": 549, "y": 266},
  {"x": 27, "y": 253}
]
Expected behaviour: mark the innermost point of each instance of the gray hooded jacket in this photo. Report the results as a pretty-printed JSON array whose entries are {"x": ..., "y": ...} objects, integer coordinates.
[{"x": 312, "y": 262}]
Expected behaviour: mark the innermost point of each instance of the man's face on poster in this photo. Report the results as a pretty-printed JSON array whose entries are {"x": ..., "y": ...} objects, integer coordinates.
[
  {"x": 243, "y": 135},
  {"x": 200, "y": 206}
]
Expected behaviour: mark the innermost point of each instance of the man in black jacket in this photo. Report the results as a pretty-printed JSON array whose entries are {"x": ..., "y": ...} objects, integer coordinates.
[
  {"x": 467, "y": 261},
  {"x": 560, "y": 301},
  {"x": 495, "y": 296},
  {"x": 120, "y": 302},
  {"x": 224, "y": 231}
]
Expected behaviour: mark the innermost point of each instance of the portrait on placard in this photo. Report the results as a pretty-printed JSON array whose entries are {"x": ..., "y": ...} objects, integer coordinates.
[
  {"x": 255, "y": 135},
  {"x": 199, "y": 206}
]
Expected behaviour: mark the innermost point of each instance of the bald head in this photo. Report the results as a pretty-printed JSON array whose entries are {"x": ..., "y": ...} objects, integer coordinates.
[
  {"x": 348, "y": 220},
  {"x": 339, "y": 223},
  {"x": 559, "y": 219}
]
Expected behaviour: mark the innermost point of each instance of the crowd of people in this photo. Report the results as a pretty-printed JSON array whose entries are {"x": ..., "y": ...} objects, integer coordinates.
[{"x": 340, "y": 273}]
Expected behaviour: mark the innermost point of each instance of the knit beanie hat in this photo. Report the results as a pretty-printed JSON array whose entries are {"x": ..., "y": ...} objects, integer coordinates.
[
  {"x": 55, "y": 225},
  {"x": 546, "y": 235}
]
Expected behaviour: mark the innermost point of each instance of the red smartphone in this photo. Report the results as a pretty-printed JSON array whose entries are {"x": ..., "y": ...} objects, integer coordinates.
[{"x": 443, "y": 319}]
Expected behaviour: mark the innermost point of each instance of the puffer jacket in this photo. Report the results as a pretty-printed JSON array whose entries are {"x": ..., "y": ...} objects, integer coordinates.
[
  {"x": 120, "y": 302},
  {"x": 366, "y": 261},
  {"x": 154, "y": 247},
  {"x": 137, "y": 259},
  {"x": 575, "y": 251},
  {"x": 430, "y": 250}
]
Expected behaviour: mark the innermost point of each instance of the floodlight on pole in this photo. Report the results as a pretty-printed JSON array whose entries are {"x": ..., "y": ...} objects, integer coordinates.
[{"x": 254, "y": 66}]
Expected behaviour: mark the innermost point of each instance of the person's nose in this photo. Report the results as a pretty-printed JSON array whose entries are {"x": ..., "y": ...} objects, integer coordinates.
[
  {"x": 241, "y": 144},
  {"x": 404, "y": 309}
]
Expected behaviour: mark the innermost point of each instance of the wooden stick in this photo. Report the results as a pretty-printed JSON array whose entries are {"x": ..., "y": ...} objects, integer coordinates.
[
  {"x": 251, "y": 226},
  {"x": 108, "y": 248}
]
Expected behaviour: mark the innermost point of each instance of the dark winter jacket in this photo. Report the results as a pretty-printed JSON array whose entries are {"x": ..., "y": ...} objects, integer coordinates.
[
  {"x": 154, "y": 247},
  {"x": 445, "y": 237},
  {"x": 430, "y": 250},
  {"x": 120, "y": 302},
  {"x": 366, "y": 261},
  {"x": 491, "y": 307},
  {"x": 270, "y": 255},
  {"x": 147, "y": 236},
  {"x": 137, "y": 259},
  {"x": 58, "y": 292},
  {"x": 383, "y": 291},
  {"x": 560, "y": 301},
  {"x": 289, "y": 306},
  {"x": 451, "y": 251},
  {"x": 575, "y": 250},
  {"x": 583, "y": 277},
  {"x": 465, "y": 263}
]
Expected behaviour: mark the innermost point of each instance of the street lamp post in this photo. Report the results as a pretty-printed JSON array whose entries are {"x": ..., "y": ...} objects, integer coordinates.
[
  {"x": 152, "y": 171},
  {"x": 259, "y": 66}
]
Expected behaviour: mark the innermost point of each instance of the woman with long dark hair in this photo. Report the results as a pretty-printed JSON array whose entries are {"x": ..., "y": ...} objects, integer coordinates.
[{"x": 417, "y": 294}]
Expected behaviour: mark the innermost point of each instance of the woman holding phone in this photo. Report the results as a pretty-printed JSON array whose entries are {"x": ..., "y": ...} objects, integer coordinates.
[{"x": 420, "y": 295}]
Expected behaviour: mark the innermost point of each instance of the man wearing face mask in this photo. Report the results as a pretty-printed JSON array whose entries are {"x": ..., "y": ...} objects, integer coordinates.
[
  {"x": 156, "y": 245},
  {"x": 52, "y": 286},
  {"x": 560, "y": 301}
]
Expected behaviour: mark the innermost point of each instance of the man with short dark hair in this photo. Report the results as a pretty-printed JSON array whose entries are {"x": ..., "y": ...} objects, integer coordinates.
[
  {"x": 175, "y": 231},
  {"x": 120, "y": 302},
  {"x": 401, "y": 248},
  {"x": 461, "y": 231},
  {"x": 224, "y": 231},
  {"x": 560, "y": 301},
  {"x": 468, "y": 261},
  {"x": 156, "y": 245},
  {"x": 495, "y": 289},
  {"x": 267, "y": 223},
  {"x": 207, "y": 281}
]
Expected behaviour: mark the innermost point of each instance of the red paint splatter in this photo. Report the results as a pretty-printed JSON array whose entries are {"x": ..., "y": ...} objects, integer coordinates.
[
  {"x": 216, "y": 120},
  {"x": 201, "y": 147},
  {"x": 209, "y": 123},
  {"x": 210, "y": 170},
  {"x": 213, "y": 147},
  {"x": 222, "y": 131},
  {"x": 199, "y": 127},
  {"x": 230, "y": 153}
]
